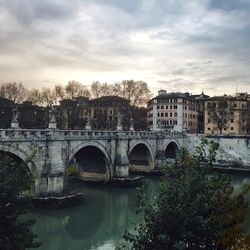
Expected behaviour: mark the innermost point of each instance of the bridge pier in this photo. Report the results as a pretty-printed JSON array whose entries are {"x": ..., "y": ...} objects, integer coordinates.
[
  {"x": 121, "y": 158},
  {"x": 160, "y": 159},
  {"x": 51, "y": 159},
  {"x": 47, "y": 185}
]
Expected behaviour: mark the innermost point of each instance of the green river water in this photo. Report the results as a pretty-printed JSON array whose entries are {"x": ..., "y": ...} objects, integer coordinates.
[{"x": 100, "y": 221}]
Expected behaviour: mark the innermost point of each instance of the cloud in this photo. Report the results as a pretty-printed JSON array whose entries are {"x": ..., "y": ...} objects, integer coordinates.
[{"x": 169, "y": 44}]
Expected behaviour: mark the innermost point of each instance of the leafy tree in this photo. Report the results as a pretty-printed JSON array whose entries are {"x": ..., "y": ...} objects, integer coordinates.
[
  {"x": 15, "y": 233},
  {"x": 191, "y": 209}
]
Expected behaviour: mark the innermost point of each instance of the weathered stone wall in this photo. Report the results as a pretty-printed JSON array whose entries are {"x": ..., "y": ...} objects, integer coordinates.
[{"x": 233, "y": 149}]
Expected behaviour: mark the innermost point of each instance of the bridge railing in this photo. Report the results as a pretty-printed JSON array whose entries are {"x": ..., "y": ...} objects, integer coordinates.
[{"x": 22, "y": 134}]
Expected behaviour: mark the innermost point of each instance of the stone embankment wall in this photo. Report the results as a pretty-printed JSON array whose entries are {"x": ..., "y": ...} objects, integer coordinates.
[{"x": 233, "y": 149}]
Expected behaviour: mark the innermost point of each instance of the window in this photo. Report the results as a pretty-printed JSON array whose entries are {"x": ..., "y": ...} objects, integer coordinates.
[
  {"x": 175, "y": 114},
  {"x": 158, "y": 107},
  {"x": 208, "y": 128},
  {"x": 171, "y": 106},
  {"x": 175, "y": 122},
  {"x": 166, "y": 114},
  {"x": 175, "y": 106},
  {"x": 171, "y": 122},
  {"x": 162, "y": 114},
  {"x": 158, "y": 114},
  {"x": 208, "y": 121},
  {"x": 232, "y": 120},
  {"x": 171, "y": 114},
  {"x": 232, "y": 128},
  {"x": 162, "y": 107},
  {"x": 166, "y": 106}
]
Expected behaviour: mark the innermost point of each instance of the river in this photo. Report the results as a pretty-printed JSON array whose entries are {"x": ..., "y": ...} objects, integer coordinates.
[{"x": 100, "y": 221}]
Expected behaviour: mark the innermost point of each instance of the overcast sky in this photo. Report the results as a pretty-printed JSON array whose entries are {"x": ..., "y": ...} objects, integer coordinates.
[{"x": 177, "y": 45}]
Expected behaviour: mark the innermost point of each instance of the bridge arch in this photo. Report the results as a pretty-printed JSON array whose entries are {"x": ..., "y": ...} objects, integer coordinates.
[
  {"x": 171, "y": 149},
  {"x": 92, "y": 159},
  {"x": 141, "y": 157},
  {"x": 17, "y": 152}
]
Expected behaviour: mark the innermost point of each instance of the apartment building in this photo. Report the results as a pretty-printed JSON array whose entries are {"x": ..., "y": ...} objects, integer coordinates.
[
  {"x": 104, "y": 112},
  {"x": 174, "y": 112},
  {"x": 227, "y": 114}
]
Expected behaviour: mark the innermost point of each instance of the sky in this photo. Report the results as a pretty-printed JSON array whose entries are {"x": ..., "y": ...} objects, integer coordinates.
[{"x": 176, "y": 45}]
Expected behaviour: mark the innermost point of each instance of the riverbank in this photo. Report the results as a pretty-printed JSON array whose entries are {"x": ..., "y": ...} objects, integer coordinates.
[{"x": 232, "y": 170}]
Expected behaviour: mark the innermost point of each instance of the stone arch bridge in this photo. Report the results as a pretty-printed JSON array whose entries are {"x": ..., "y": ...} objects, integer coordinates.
[
  {"x": 106, "y": 154},
  {"x": 99, "y": 154}
]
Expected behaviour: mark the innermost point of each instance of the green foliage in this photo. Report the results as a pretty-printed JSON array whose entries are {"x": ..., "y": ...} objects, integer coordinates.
[
  {"x": 14, "y": 232},
  {"x": 72, "y": 170},
  {"x": 191, "y": 209}
]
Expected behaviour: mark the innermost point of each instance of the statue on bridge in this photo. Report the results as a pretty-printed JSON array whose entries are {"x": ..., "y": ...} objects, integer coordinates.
[
  {"x": 131, "y": 128},
  {"x": 119, "y": 122},
  {"x": 88, "y": 123},
  {"x": 14, "y": 122},
  {"x": 52, "y": 118}
]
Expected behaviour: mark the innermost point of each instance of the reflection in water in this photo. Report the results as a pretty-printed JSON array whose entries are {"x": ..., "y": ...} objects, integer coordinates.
[
  {"x": 100, "y": 221},
  {"x": 238, "y": 181},
  {"x": 96, "y": 224}
]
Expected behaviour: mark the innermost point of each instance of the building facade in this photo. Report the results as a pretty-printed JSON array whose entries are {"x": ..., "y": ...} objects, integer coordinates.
[
  {"x": 227, "y": 114},
  {"x": 73, "y": 113},
  {"x": 104, "y": 112},
  {"x": 174, "y": 111}
]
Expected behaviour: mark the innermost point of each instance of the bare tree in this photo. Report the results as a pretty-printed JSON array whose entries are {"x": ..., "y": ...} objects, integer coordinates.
[
  {"x": 116, "y": 89},
  {"x": 13, "y": 91},
  {"x": 219, "y": 113},
  {"x": 101, "y": 89},
  {"x": 95, "y": 89},
  {"x": 137, "y": 92},
  {"x": 74, "y": 89},
  {"x": 34, "y": 96},
  {"x": 48, "y": 97}
]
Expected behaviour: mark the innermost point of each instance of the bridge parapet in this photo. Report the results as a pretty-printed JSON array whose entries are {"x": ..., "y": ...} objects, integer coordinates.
[{"x": 46, "y": 134}]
